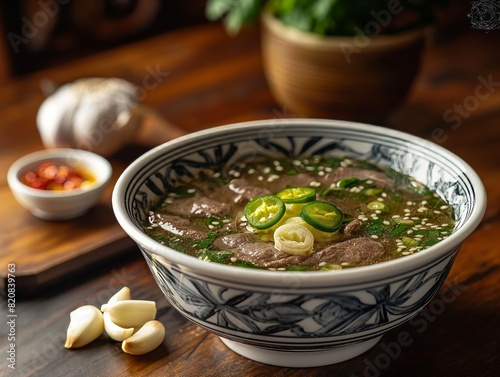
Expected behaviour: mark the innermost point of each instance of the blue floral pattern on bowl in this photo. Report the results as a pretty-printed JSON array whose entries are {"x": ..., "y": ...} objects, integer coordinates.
[
  {"x": 347, "y": 318},
  {"x": 364, "y": 313}
]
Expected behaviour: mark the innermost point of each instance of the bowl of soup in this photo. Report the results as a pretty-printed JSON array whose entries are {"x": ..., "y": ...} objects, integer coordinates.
[
  {"x": 59, "y": 183},
  {"x": 299, "y": 242}
]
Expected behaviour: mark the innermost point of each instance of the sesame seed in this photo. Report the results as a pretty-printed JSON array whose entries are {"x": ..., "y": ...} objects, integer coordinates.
[
  {"x": 328, "y": 169},
  {"x": 260, "y": 178},
  {"x": 344, "y": 264},
  {"x": 191, "y": 191},
  {"x": 233, "y": 259},
  {"x": 378, "y": 211},
  {"x": 251, "y": 171},
  {"x": 385, "y": 222},
  {"x": 315, "y": 184},
  {"x": 444, "y": 224},
  {"x": 276, "y": 163},
  {"x": 409, "y": 203},
  {"x": 266, "y": 170},
  {"x": 374, "y": 236},
  {"x": 415, "y": 218},
  {"x": 395, "y": 216},
  {"x": 215, "y": 222},
  {"x": 443, "y": 207},
  {"x": 384, "y": 195},
  {"x": 409, "y": 232},
  {"x": 321, "y": 173},
  {"x": 210, "y": 226},
  {"x": 297, "y": 162},
  {"x": 226, "y": 220},
  {"x": 405, "y": 253},
  {"x": 437, "y": 212},
  {"x": 407, "y": 210},
  {"x": 310, "y": 168},
  {"x": 216, "y": 175},
  {"x": 413, "y": 249},
  {"x": 380, "y": 199},
  {"x": 322, "y": 264}
]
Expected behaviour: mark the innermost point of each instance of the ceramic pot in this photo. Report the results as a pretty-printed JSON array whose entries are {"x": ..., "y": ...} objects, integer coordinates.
[{"x": 352, "y": 78}]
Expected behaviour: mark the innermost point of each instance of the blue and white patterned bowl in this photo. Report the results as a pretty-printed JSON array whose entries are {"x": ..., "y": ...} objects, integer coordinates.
[{"x": 298, "y": 319}]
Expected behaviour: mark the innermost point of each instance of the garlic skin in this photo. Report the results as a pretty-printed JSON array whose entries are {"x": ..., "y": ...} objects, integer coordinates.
[
  {"x": 146, "y": 339},
  {"x": 100, "y": 115},
  {"x": 86, "y": 325},
  {"x": 130, "y": 313}
]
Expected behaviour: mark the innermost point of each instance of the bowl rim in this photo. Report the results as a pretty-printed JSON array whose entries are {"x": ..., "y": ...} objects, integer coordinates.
[
  {"x": 87, "y": 158},
  {"x": 266, "y": 278}
]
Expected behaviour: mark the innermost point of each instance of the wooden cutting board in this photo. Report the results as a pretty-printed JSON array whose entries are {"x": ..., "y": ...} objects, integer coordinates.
[{"x": 45, "y": 253}]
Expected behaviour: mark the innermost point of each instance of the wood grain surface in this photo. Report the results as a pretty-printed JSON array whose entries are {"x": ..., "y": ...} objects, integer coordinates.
[{"x": 206, "y": 78}]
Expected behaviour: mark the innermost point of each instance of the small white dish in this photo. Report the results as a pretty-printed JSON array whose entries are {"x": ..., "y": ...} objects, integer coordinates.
[{"x": 62, "y": 204}]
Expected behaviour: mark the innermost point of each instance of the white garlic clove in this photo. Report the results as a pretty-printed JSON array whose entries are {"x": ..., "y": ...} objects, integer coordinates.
[
  {"x": 130, "y": 313},
  {"x": 114, "y": 331},
  {"x": 86, "y": 325},
  {"x": 97, "y": 114},
  {"x": 146, "y": 339},
  {"x": 122, "y": 294}
]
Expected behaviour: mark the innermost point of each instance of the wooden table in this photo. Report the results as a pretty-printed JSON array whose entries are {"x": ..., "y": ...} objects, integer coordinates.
[{"x": 199, "y": 78}]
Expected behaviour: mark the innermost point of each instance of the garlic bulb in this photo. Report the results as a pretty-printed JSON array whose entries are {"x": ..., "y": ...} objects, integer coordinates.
[{"x": 96, "y": 114}]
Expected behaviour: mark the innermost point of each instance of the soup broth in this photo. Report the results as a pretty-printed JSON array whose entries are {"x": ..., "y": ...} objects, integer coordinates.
[{"x": 301, "y": 214}]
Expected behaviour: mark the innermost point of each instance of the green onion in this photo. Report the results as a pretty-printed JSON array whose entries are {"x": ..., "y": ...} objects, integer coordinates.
[{"x": 347, "y": 182}]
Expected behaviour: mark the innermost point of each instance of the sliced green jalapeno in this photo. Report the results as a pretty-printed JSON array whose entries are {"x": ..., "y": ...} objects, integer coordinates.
[
  {"x": 264, "y": 211},
  {"x": 323, "y": 216},
  {"x": 294, "y": 195}
]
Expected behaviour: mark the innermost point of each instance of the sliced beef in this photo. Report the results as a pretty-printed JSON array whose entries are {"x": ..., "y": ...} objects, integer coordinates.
[
  {"x": 259, "y": 253},
  {"x": 352, "y": 228},
  {"x": 360, "y": 251},
  {"x": 357, "y": 252},
  {"x": 198, "y": 206},
  {"x": 297, "y": 180},
  {"x": 246, "y": 192},
  {"x": 341, "y": 173},
  {"x": 182, "y": 227},
  {"x": 231, "y": 241}
]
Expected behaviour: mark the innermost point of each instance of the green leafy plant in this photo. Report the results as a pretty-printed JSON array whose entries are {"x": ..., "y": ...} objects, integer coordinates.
[{"x": 327, "y": 17}]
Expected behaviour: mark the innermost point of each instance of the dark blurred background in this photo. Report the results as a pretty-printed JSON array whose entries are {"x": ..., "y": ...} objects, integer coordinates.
[{"x": 42, "y": 33}]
